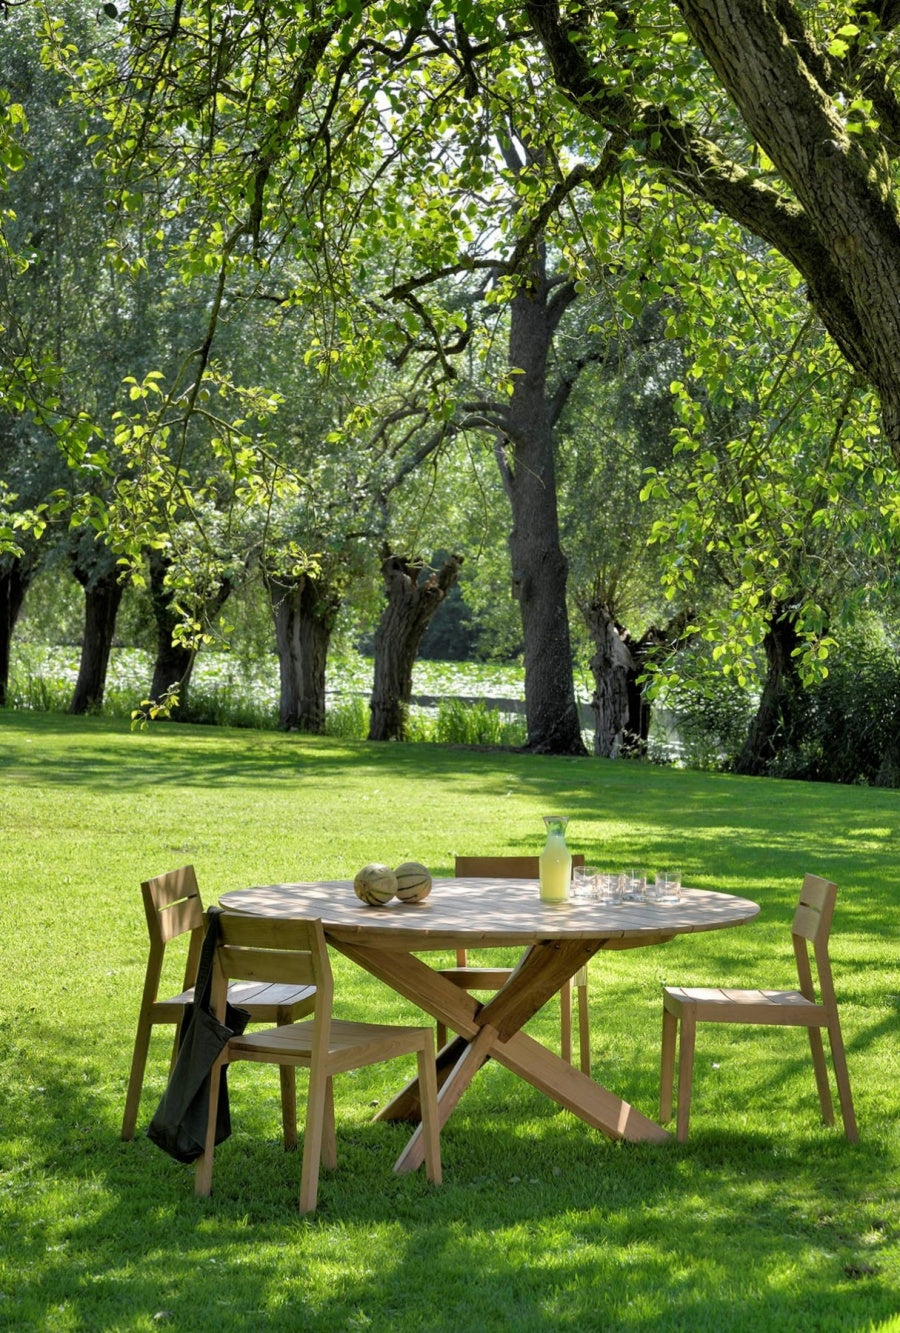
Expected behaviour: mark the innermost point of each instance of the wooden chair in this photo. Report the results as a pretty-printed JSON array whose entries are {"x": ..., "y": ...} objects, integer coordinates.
[
  {"x": 173, "y": 908},
  {"x": 492, "y": 978},
  {"x": 294, "y": 951},
  {"x": 786, "y": 1008}
]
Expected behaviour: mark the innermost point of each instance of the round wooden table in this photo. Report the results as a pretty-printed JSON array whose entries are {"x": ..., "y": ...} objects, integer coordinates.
[{"x": 556, "y": 941}]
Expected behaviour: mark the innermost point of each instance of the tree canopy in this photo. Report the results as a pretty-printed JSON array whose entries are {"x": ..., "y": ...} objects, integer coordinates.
[{"x": 347, "y": 160}]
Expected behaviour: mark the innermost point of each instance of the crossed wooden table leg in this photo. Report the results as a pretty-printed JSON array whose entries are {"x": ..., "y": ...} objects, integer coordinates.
[{"x": 494, "y": 1031}]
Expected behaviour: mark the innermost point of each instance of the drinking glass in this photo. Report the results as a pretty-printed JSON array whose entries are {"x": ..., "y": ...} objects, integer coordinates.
[
  {"x": 671, "y": 888},
  {"x": 633, "y": 881},
  {"x": 584, "y": 883},
  {"x": 654, "y": 887},
  {"x": 609, "y": 887}
]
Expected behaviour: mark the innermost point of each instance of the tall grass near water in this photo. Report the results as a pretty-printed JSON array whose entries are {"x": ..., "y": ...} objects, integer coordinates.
[{"x": 227, "y": 692}]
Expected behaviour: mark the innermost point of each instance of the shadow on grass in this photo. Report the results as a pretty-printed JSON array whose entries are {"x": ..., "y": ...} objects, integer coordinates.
[
  {"x": 540, "y": 1221},
  {"x": 646, "y": 814}
]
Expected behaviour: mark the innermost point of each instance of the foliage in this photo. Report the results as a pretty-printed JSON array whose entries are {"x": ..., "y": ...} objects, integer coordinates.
[
  {"x": 461, "y": 723},
  {"x": 348, "y": 719},
  {"x": 772, "y": 499},
  {"x": 851, "y": 721},
  {"x": 315, "y": 210},
  {"x": 708, "y": 713},
  {"x": 540, "y": 1222}
]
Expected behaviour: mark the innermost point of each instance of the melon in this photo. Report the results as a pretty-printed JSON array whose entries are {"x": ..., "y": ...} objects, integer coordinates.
[
  {"x": 413, "y": 881},
  {"x": 375, "y": 884}
]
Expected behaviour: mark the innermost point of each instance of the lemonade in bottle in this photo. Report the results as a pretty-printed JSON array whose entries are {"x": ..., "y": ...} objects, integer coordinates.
[{"x": 555, "y": 861}]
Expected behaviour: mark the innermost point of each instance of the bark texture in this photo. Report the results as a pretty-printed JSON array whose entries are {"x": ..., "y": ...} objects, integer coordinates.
[
  {"x": 174, "y": 662},
  {"x": 15, "y": 577},
  {"x": 612, "y": 666},
  {"x": 776, "y": 724},
  {"x": 305, "y": 611},
  {"x": 102, "y": 596},
  {"x": 411, "y": 602},
  {"x": 539, "y": 567}
]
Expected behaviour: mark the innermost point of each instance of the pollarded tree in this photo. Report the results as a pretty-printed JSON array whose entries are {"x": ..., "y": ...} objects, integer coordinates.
[
  {"x": 617, "y": 426},
  {"x": 794, "y": 140},
  {"x": 413, "y": 595}
]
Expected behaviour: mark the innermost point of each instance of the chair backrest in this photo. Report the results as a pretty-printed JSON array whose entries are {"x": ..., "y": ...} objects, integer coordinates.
[
  {"x": 504, "y": 867},
  {"x": 812, "y": 925},
  {"x": 273, "y": 949},
  {"x": 173, "y": 906}
]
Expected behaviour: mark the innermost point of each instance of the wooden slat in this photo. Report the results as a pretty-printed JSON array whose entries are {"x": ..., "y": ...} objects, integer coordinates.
[
  {"x": 772, "y": 1008},
  {"x": 266, "y": 965},
  {"x": 478, "y": 913}
]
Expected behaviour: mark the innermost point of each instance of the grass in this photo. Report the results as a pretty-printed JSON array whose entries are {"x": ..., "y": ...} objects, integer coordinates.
[{"x": 765, "y": 1220}]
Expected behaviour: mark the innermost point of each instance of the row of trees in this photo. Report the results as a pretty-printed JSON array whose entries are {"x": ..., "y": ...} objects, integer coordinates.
[{"x": 335, "y": 251}]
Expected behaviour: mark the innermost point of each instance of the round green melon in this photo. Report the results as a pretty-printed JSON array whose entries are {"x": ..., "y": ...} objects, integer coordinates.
[
  {"x": 413, "y": 882},
  {"x": 375, "y": 884}
]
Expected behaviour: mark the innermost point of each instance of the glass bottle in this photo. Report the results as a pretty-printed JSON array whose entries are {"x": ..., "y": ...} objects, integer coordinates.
[{"x": 555, "y": 861}]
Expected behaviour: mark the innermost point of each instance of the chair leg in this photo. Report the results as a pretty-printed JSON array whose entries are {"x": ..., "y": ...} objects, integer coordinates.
[
  {"x": 176, "y": 1039},
  {"x": 203, "y": 1167},
  {"x": 842, "y": 1078},
  {"x": 328, "y": 1157},
  {"x": 136, "y": 1078},
  {"x": 685, "y": 1074},
  {"x": 428, "y": 1092},
  {"x": 584, "y": 1025},
  {"x": 667, "y": 1064},
  {"x": 288, "y": 1078},
  {"x": 316, "y": 1113},
  {"x": 565, "y": 1022},
  {"x": 821, "y": 1072}
]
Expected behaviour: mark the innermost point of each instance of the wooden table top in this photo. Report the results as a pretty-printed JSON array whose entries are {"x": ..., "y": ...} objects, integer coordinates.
[{"x": 486, "y": 912}]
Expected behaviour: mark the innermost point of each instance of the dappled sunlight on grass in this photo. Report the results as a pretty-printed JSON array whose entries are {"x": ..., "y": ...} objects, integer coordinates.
[{"x": 765, "y": 1219}]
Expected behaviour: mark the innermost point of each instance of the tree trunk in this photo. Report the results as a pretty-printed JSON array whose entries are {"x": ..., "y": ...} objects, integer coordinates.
[
  {"x": 611, "y": 666},
  {"x": 775, "y": 726},
  {"x": 411, "y": 603},
  {"x": 174, "y": 664},
  {"x": 539, "y": 567},
  {"x": 640, "y": 709},
  {"x": 102, "y": 596},
  {"x": 15, "y": 576},
  {"x": 654, "y": 644},
  {"x": 304, "y": 610}
]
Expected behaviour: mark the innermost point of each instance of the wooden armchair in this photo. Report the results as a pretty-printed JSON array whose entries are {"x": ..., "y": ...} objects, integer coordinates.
[
  {"x": 473, "y": 978},
  {"x": 784, "y": 1008},
  {"x": 294, "y": 952},
  {"x": 173, "y": 908}
]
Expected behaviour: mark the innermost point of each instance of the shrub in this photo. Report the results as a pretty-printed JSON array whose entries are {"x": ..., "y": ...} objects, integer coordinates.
[
  {"x": 709, "y": 714},
  {"x": 851, "y": 721}
]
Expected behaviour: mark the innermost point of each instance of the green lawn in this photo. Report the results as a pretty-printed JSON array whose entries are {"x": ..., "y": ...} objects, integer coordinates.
[{"x": 764, "y": 1220}]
